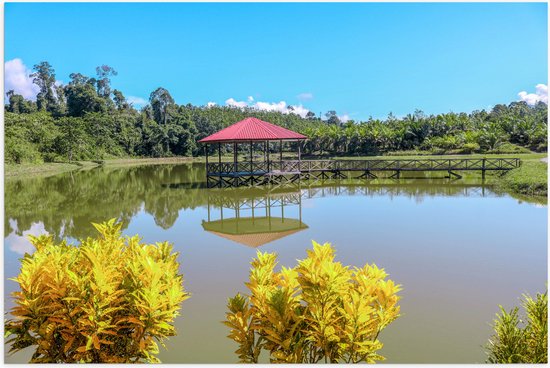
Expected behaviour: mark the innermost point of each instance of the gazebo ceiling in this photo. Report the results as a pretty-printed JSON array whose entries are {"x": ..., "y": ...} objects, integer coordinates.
[
  {"x": 254, "y": 232},
  {"x": 252, "y": 129}
]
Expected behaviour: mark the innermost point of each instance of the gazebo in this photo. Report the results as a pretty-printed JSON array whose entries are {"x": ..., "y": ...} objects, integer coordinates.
[{"x": 252, "y": 131}]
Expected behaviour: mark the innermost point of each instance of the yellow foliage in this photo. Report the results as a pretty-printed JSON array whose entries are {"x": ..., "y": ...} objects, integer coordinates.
[
  {"x": 108, "y": 300},
  {"x": 318, "y": 310}
]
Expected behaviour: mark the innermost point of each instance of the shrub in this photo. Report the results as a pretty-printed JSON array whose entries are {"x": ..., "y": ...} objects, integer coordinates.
[
  {"x": 444, "y": 143},
  {"x": 470, "y": 148},
  {"x": 517, "y": 340},
  {"x": 509, "y": 148},
  {"x": 409, "y": 153},
  {"x": 104, "y": 301},
  {"x": 318, "y": 310}
]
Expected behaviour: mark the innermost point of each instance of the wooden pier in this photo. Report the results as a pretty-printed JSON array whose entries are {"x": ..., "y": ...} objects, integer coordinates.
[{"x": 234, "y": 174}]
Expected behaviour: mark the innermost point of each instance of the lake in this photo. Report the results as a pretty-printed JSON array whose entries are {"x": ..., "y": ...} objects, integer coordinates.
[{"x": 458, "y": 248}]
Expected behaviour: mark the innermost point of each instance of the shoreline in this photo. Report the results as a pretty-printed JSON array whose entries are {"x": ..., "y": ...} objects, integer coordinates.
[
  {"x": 528, "y": 180},
  {"x": 22, "y": 171}
]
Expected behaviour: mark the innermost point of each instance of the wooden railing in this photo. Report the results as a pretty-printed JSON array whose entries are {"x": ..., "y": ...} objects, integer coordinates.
[{"x": 305, "y": 166}]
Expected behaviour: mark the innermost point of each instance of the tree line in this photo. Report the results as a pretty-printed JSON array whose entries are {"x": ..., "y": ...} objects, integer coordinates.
[{"x": 86, "y": 120}]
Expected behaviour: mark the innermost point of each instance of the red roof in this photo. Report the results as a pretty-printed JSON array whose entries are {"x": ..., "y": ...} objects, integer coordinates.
[{"x": 252, "y": 129}]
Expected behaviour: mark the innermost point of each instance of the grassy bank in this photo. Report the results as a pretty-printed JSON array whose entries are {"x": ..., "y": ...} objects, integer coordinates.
[
  {"x": 12, "y": 171},
  {"x": 522, "y": 156},
  {"x": 45, "y": 169},
  {"x": 530, "y": 179}
]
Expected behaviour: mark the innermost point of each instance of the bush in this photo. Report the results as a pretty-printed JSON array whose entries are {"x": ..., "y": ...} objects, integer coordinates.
[
  {"x": 105, "y": 301},
  {"x": 509, "y": 148},
  {"x": 409, "y": 153},
  {"x": 470, "y": 148},
  {"x": 519, "y": 340},
  {"x": 444, "y": 143},
  {"x": 318, "y": 310},
  {"x": 20, "y": 151}
]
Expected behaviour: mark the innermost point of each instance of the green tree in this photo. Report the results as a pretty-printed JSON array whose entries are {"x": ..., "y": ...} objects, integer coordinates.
[
  {"x": 120, "y": 101},
  {"x": 104, "y": 74},
  {"x": 332, "y": 118},
  {"x": 18, "y": 104},
  {"x": 82, "y": 97},
  {"x": 44, "y": 77},
  {"x": 161, "y": 101},
  {"x": 72, "y": 141}
]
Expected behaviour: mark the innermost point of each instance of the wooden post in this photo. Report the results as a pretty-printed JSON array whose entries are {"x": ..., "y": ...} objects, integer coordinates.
[
  {"x": 252, "y": 211},
  {"x": 235, "y": 157},
  {"x": 268, "y": 163},
  {"x": 219, "y": 153},
  {"x": 300, "y": 206},
  {"x": 206, "y": 152},
  {"x": 265, "y": 150},
  {"x": 483, "y": 169},
  {"x": 281, "y": 152},
  {"x": 251, "y": 156},
  {"x": 269, "y": 211}
]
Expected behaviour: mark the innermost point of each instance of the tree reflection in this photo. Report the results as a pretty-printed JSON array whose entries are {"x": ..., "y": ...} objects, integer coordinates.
[{"x": 66, "y": 203}]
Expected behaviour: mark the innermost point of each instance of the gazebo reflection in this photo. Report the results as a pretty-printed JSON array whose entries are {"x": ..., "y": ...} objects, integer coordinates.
[{"x": 256, "y": 218}]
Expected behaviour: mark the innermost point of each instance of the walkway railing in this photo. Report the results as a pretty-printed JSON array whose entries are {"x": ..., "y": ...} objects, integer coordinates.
[{"x": 312, "y": 166}]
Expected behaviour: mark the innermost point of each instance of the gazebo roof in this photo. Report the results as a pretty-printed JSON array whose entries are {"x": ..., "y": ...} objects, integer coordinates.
[{"x": 252, "y": 129}]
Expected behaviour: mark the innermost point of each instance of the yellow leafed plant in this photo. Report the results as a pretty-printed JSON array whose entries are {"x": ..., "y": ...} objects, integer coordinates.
[
  {"x": 317, "y": 311},
  {"x": 109, "y": 300}
]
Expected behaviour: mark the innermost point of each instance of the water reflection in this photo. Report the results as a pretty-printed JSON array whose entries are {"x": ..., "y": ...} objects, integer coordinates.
[
  {"x": 443, "y": 239},
  {"x": 65, "y": 204},
  {"x": 253, "y": 220}
]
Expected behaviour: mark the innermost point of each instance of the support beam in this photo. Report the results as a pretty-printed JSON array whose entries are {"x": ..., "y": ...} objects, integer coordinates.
[
  {"x": 455, "y": 175},
  {"x": 268, "y": 163},
  {"x": 235, "y": 156},
  {"x": 251, "y": 157}
]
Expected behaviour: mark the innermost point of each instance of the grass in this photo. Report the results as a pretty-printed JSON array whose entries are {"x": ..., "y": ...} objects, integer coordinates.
[
  {"x": 14, "y": 171},
  {"x": 43, "y": 169},
  {"x": 420, "y": 156},
  {"x": 530, "y": 179}
]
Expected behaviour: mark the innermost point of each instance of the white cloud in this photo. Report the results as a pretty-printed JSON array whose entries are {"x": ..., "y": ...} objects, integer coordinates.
[
  {"x": 306, "y": 96},
  {"x": 20, "y": 244},
  {"x": 280, "y": 106},
  {"x": 17, "y": 77},
  {"x": 541, "y": 94},
  {"x": 344, "y": 118},
  {"x": 136, "y": 101},
  {"x": 300, "y": 110},
  {"x": 233, "y": 103},
  {"x": 211, "y": 104}
]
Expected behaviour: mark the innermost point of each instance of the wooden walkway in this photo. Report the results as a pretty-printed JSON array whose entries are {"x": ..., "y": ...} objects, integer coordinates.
[{"x": 230, "y": 174}]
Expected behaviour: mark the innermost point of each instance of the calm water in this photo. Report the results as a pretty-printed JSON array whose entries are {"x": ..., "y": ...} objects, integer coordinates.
[{"x": 458, "y": 248}]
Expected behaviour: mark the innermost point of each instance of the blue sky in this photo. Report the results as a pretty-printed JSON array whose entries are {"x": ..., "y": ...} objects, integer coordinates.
[{"x": 358, "y": 59}]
